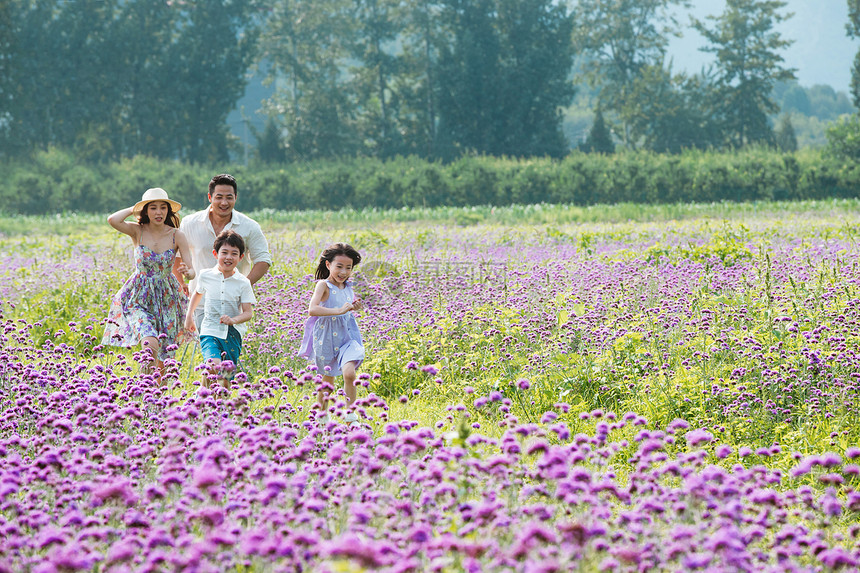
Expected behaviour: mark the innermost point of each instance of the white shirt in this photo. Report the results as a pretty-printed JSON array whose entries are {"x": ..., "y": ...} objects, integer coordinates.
[
  {"x": 223, "y": 295},
  {"x": 201, "y": 239}
]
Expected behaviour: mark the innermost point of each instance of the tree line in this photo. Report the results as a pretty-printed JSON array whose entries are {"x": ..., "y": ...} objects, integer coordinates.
[{"x": 437, "y": 79}]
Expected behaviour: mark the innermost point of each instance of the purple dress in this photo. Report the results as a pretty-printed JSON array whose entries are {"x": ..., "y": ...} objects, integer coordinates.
[
  {"x": 150, "y": 302},
  {"x": 332, "y": 341}
]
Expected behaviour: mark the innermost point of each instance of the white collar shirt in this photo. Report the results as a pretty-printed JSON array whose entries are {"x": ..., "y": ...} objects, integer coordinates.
[
  {"x": 200, "y": 233},
  {"x": 223, "y": 295}
]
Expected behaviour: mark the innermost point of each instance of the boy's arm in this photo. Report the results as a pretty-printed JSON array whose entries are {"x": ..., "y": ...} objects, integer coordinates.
[
  {"x": 244, "y": 316},
  {"x": 192, "y": 304}
]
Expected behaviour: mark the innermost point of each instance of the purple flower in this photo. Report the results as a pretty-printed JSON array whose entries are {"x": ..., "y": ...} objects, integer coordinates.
[
  {"x": 723, "y": 451},
  {"x": 696, "y": 437},
  {"x": 206, "y": 476}
]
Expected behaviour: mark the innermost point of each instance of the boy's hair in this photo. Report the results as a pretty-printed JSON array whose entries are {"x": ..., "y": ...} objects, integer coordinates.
[
  {"x": 224, "y": 179},
  {"x": 232, "y": 238},
  {"x": 172, "y": 219},
  {"x": 330, "y": 253}
]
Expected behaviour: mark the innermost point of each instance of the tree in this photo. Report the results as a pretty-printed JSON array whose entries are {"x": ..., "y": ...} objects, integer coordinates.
[
  {"x": 308, "y": 45},
  {"x": 6, "y": 51},
  {"x": 853, "y": 28},
  {"x": 620, "y": 40},
  {"x": 269, "y": 146},
  {"x": 416, "y": 78},
  {"x": 599, "y": 139},
  {"x": 843, "y": 138},
  {"x": 53, "y": 66},
  {"x": 372, "y": 75},
  {"x": 116, "y": 78},
  {"x": 208, "y": 75},
  {"x": 786, "y": 140},
  {"x": 748, "y": 65},
  {"x": 673, "y": 112},
  {"x": 502, "y": 77}
]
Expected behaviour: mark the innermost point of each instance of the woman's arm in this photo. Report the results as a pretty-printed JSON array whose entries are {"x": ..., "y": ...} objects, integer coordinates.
[
  {"x": 118, "y": 222},
  {"x": 185, "y": 254}
]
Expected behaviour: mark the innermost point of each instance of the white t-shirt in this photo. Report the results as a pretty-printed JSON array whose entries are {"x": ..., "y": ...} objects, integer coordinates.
[
  {"x": 201, "y": 238},
  {"x": 223, "y": 295}
]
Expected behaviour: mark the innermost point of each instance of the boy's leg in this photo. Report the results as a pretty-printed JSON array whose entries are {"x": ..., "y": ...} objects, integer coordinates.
[
  {"x": 231, "y": 348},
  {"x": 211, "y": 349}
]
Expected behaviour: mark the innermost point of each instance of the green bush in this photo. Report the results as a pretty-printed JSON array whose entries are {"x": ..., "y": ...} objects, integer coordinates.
[{"x": 52, "y": 182}]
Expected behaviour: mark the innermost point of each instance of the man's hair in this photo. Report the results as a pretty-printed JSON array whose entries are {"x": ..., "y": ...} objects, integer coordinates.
[
  {"x": 231, "y": 238},
  {"x": 224, "y": 179}
]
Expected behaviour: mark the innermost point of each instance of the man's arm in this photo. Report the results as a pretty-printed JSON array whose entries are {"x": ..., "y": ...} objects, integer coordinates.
[
  {"x": 258, "y": 249},
  {"x": 258, "y": 271}
]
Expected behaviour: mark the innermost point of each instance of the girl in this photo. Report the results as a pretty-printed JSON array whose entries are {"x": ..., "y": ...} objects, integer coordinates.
[
  {"x": 150, "y": 306},
  {"x": 331, "y": 336}
]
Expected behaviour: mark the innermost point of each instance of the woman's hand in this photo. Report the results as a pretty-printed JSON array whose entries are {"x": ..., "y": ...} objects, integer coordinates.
[{"x": 185, "y": 271}]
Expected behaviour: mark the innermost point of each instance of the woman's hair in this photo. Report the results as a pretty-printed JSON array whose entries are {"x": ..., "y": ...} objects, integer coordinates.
[
  {"x": 172, "y": 219},
  {"x": 333, "y": 251},
  {"x": 229, "y": 237}
]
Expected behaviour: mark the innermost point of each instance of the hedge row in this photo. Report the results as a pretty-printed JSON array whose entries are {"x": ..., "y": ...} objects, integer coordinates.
[{"x": 52, "y": 182}]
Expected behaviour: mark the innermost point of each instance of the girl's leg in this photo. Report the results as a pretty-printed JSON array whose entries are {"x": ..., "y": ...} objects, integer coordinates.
[
  {"x": 349, "y": 377},
  {"x": 322, "y": 397}
]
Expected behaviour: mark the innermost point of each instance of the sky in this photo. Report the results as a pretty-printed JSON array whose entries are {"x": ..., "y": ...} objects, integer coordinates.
[{"x": 822, "y": 53}]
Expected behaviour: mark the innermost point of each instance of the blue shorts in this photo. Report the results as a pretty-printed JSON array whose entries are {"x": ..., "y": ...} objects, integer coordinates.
[{"x": 222, "y": 349}]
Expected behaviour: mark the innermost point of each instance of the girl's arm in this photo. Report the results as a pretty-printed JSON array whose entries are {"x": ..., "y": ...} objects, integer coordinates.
[
  {"x": 247, "y": 313},
  {"x": 183, "y": 267},
  {"x": 189, "y": 315},
  {"x": 320, "y": 295},
  {"x": 118, "y": 222}
]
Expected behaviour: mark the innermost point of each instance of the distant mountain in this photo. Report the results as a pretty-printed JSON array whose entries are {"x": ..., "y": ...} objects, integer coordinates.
[{"x": 822, "y": 52}]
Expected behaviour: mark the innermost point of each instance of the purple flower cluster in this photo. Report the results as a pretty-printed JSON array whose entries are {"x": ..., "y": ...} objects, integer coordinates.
[
  {"x": 101, "y": 468},
  {"x": 737, "y": 344}
]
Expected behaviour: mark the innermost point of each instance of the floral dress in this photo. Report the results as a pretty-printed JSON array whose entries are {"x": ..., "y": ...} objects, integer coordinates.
[
  {"x": 150, "y": 303},
  {"x": 332, "y": 341}
]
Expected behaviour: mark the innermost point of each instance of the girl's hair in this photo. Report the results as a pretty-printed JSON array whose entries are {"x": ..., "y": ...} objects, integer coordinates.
[
  {"x": 333, "y": 251},
  {"x": 172, "y": 219}
]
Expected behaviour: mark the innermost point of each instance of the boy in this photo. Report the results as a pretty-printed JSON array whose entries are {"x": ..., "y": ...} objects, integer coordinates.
[{"x": 228, "y": 304}]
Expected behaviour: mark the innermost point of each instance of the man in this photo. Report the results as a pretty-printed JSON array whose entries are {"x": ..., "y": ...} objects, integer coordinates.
[{"x": 202, "y": 227}]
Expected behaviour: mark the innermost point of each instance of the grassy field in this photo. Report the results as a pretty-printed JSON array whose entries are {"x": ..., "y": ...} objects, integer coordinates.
[{"x": 546, "y": 388}]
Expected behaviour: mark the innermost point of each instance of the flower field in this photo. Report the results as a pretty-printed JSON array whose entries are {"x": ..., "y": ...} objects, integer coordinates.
[{"x": 545, "y": 390}]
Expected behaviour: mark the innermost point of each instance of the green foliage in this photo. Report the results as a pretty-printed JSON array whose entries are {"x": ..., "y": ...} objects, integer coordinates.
[
  {"x": 502, "y": 74},
  {"x": 843, "y": 138},
  {"x": 748, "y": 64},
  {"x": 854, "y": 32},
  {"x": 599, "y": 138},
  {"x": 113, "y": 79},
  {"x": 54, "y": 183},
  {"x": 786, "y": 140},
  {"x": 620, "y": 41},
  {"x": 818, "y": 101}
]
